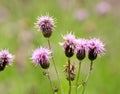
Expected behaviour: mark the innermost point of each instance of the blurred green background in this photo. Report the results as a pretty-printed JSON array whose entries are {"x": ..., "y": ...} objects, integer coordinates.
[{"x": 17, "y": 33}]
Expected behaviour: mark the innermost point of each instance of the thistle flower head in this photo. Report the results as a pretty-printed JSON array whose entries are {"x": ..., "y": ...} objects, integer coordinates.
[
  {"x": 81, "y": 14},
  {"x": 41, "y": 57},
  {"x": 46, "y": 25},
  {"x": 69, "y": 44},
  {"x": 103, "y": 8},
  {"x": 5, "y": 58},
  {"x": 95, "y": 47},
  {"x": 81, "y": 45},
  {"x": 69, "y": 40}
]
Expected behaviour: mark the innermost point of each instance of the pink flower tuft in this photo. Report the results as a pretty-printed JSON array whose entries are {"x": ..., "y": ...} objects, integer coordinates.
[
  {"x": 103, "y": 8},
  {"x": 97, "y": 45},
  {"x": 69, "y": 40},
  {"x": 5, "y": 59},
  {"x": 6, "y": 56},
  {"x": 41, "y": 57},
  {"x": 81, "y": 14},
  {"x": 46, "y": 25},
  {"x": 69, "y": 44},
  {"x": 81, "y": 44}
]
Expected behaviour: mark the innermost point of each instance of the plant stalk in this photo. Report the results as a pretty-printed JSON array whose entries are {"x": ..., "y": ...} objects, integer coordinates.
[
  {"x": 69, "y": 92},
  {"x": 55, "y": 66},
  {"x": 86, "y": 80},
  {"x": 50, "y": 81},
  {"x": 78, "y": 75}
]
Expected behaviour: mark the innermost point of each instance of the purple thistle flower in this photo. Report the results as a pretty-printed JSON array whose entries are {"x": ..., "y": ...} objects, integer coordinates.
[
  {"x": 81, "y": 46},
  {"x": 103, "y": 8},
  {"x": 41, "y": 57},
  {"x": 95, "y": 48},
  {"x": 46, "y": 25},
  {"x": 69, "y": 44},
  {"x": 5, "y": 59},
  {"x": 81, "y": 14}
]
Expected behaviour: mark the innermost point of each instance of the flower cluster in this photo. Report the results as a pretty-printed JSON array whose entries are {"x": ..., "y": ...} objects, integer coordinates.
[
  {"x": 72, "y": 45},
  {"x": 41, "y": 57},
  {"x": 5, "y": 59}
]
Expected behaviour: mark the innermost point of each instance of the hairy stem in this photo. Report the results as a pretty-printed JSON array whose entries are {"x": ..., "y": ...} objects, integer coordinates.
[
  {"x": 69, "y": 92},
  {"x": 78, "y": 74},
  {"x": 86, "y": 80},
  {"x": 55, "y": 66}
]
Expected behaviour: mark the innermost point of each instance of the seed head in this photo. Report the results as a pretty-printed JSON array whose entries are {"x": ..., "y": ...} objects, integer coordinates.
[{"x": 72, "y": 72}]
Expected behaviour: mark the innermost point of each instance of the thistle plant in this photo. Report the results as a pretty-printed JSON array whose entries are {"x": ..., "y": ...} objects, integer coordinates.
[
  {"x": 81, "y": 47},
  {"x": 95, "y": 48},
  {"x": 69, "y": 49},
  {"x": 41, "y": 57},
  {"x": 46, "y": 24}
]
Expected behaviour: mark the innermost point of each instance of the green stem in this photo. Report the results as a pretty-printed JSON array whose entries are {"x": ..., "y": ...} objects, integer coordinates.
[
  {"x": 69, "y": 92},
  {"x": 78, "y": 76},
  {"x": 50, "y": 81},
  {"x": 55, "y": 66},
  {"x": 86, "y": 80}
]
